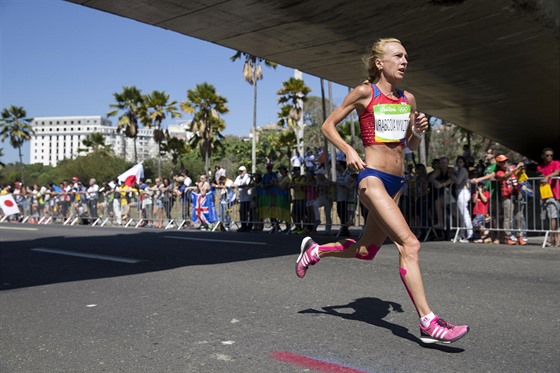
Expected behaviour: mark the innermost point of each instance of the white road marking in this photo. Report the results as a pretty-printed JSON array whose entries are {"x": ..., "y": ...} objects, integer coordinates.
[
  {"x": 90, "y": 256},
  {"x": 18, "y": 228},
  {"x": 222, "y": 241},
  {"x": 223, "y": 357}
]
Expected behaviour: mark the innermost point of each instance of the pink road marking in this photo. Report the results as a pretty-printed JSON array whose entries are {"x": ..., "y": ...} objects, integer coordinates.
[{"x": 310, "y": 363}]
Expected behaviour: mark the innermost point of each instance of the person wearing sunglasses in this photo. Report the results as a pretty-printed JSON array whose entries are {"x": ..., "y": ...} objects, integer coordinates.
[{"x": 550, "y": 170}]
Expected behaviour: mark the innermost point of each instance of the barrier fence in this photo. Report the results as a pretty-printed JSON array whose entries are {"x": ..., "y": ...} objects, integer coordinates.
[{"x": 431, "y": 213}]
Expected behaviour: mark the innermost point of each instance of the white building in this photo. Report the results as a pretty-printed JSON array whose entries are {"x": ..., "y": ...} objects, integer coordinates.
[{"x": 58, "y": 138}]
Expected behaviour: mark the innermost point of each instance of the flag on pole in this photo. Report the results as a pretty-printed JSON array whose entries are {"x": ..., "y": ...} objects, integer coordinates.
[
  {"x": 8, "y": 204},
  {"x": 204, "y": 210},
  {"x": 132, "y": 175}
]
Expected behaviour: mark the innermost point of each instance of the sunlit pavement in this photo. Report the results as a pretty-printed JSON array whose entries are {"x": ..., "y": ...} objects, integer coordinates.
[{"x": 112, "y": 299}]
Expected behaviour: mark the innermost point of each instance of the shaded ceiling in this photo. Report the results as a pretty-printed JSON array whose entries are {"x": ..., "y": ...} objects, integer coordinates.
[{"x": 489, "y": 66}]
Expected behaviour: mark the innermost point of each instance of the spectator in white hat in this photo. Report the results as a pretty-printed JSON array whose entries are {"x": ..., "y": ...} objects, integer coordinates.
[{"x": 245, "y": 194}]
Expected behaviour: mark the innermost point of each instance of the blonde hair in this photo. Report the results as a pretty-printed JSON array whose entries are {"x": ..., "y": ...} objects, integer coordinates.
[{"x": 376, "y": 52}]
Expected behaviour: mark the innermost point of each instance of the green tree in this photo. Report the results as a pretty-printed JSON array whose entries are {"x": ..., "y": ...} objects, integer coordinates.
[
  {"x": 238, "y": 150},
  {"x": 97, "y": 165},
  {"x": 17, "y": 128},
  {"x": 129, "y": 103},
  {"x": 95, "y": 142},
  {"x": 40, "y": 174},
  {"x": 293, "y": 96},
  {"x": 207, "y": 106},
  {"x": 312, "y": 120},
  {"x": 270, "y": 146},
  {"x": 176, "y": 148},
  {"x": 2, "y": 164},
  {"x": 252, "y": 73},
  {"x": 157, "y": 106}
]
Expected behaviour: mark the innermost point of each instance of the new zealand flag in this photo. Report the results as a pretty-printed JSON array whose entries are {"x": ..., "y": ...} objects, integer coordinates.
[{"x": 204, "y": 210}]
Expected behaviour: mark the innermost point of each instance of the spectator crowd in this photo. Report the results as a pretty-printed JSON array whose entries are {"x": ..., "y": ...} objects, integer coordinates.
[{"x": 485, "y": 202}]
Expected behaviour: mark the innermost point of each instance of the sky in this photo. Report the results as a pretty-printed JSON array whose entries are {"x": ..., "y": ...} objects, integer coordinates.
[{"x": 63, "y": 59}]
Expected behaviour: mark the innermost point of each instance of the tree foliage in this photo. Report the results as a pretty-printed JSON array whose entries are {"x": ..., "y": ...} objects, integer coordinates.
[
  {"x": 157, "y": 107},
  {"x": 129, "y": 104},
  {"x": 95, "y": 142},
  {"x": 252, "y": 70},
  {"x": 293, "y": 96},
  {"x": 207, "y": 106},
  {"x": 16, "y": 127}
]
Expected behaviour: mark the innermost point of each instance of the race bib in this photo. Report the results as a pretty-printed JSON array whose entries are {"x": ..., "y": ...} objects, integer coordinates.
[{"x": 391, "y": 122}]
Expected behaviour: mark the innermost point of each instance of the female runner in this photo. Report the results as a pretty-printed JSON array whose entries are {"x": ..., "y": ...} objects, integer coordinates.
[{"x": 388, "y": 119}]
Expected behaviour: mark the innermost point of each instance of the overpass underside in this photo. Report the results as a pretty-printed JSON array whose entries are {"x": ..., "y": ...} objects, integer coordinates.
[{"x": 489, "y": 66}]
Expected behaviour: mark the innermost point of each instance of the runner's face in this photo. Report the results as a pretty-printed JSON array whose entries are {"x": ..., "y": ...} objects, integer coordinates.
[{"x": 394, "y": 62}]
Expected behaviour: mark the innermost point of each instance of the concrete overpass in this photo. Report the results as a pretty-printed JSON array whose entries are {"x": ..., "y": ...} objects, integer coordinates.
[{"x": 489, "y": 66}]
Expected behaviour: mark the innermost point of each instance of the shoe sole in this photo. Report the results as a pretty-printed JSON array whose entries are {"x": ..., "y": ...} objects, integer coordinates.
[
  {"x": 430, "y": 340},
  {"x": 302, "y": 250}
]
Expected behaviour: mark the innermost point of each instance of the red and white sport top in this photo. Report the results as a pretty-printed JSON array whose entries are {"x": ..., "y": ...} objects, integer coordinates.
[{"x": 385, "y": 119}]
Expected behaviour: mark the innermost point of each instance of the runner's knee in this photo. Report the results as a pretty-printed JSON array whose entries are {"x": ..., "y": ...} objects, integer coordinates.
[{"x": 411, "y": 248}]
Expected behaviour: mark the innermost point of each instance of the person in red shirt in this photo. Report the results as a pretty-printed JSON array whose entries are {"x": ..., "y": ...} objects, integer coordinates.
[
  {"x": 550, "y": 170},
  {"x": 481, "y": 201},
  {"x": 510, "y": 198}
]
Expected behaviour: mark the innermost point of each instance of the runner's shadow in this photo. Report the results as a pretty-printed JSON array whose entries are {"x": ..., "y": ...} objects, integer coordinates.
[{"x": 372, "y": 311}]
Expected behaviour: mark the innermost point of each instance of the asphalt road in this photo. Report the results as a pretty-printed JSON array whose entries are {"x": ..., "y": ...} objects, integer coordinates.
[{"x": 82, "y": 299}]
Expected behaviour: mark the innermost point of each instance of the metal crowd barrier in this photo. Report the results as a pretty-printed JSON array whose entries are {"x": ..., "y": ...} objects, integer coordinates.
[
  {"x": 268, "y": 212},
  {"x": 520, "y": 215}
]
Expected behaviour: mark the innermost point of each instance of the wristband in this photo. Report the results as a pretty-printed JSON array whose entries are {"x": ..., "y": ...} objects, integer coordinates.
[{"x": 417, "y": 134}]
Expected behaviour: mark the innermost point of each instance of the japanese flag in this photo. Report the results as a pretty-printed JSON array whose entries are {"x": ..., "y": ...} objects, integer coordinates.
[
  {"x": 132, "y": 175},
  {"x": 8, "y": 205}
]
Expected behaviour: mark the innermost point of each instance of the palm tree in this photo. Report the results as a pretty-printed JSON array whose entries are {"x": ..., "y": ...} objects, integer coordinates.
[
  {"x": 207, "y": 106},
  {"x": 286, "y": 140},
  {"x": 155, "y": 110},
  {"x": 129, "y": 102},
  {"x": 2, "y": 164},
  {"x": 17, "y": 128},
  {"x": 293, "y": 95},
  {"x": 95, "y": 141},
  {"x": 252, "y": 72},
  {"x": 176, "y": 147}
]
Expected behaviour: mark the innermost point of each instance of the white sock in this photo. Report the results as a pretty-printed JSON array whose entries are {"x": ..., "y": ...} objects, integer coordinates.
[{"x": 426, "y": 320}]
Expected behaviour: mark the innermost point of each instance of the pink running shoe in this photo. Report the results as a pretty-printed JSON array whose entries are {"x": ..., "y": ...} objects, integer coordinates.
[
  {"x": 305, "y": 259},
  {"x": 441, "y": 331}
]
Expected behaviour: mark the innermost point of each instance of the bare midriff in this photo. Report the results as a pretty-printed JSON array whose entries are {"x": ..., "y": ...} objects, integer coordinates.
[{"x": 388, "y": 158}]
